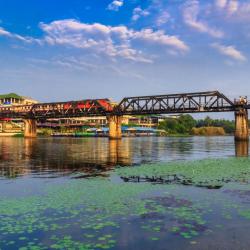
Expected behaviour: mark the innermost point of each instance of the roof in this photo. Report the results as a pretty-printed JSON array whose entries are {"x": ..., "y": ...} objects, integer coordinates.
[
  {"x": 29, "y": 98},
  {"x": 139, "y": 129},
  {"x": 97, "y": 130},
  {"x": 11, "y": 95}
]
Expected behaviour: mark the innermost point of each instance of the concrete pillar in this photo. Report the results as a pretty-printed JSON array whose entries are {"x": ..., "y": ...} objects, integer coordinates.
[
  {"x": 115, "y": 126},
  {"x": 30, "y": 128},
  {"x": 241, "y": 125}
]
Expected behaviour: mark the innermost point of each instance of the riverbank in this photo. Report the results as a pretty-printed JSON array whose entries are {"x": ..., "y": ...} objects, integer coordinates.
[
  {"x": 74, "y": 135},
  {"x": 11, "y": 134}
]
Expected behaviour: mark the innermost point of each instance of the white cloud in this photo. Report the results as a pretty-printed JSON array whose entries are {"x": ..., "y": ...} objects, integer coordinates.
[
  {"x": 25, "y": 39},
  {"x": 234, "y": 9},
  {"x": 115, "y": 5},
  {"x": 113, "y": 41},
  {"x": 221, "y": 3},
  {"x": 191, "y": 18},
  {"x": 98, "y": 40},
  {"x": 4, "y": 32},
  {"x": 229, "y": 51},
  {"x": 232, "y": 6},
  {"x": 160, "y": 38},
  {"x": 138, "y": 12},
  {"x": 162, "y": 18}
]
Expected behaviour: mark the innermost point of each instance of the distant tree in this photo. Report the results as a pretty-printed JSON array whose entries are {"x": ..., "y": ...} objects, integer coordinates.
[
  {"x": 181, "y": 125},
  {"x": 185, "y": 123},
  {"x": 208, "y": 121},
  {"x": 227, "y": 125},
  {"x": 131, "y": 125},
  {"x": 188, "y": 122}
]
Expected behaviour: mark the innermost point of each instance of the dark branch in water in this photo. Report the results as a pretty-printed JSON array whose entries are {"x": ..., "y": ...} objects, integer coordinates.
[{"x": 170, "y": 179}]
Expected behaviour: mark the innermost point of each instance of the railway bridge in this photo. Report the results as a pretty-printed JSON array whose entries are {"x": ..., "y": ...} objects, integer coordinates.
[{"x": 199, "y": 102}]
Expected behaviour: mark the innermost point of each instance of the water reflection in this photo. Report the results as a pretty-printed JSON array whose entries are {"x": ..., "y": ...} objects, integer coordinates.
[
  {"x": 61, "y": 156},
  {"x": 51, "y": 157},
  {"x": 241, "y": 148}
]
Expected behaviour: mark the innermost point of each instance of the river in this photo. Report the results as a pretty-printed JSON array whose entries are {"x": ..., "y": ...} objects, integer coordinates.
[{"x": 136, "y": 193}]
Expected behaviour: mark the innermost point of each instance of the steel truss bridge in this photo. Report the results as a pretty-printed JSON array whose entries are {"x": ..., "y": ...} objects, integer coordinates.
[{"x": 212, "y": 101}]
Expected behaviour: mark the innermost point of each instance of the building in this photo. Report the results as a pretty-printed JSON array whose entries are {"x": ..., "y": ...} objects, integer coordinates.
[
  {"x": 15, "y": 99},
  {"x": 8, "y": 125},
  {"x": 102, "y": 121},
  {"x": 149, "y": 121}
]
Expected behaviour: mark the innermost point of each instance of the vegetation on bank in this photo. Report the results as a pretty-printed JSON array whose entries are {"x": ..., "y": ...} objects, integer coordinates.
[
  {"x": 18, "y": 135},
  {"x": 187, "y": 125},
  {"x": 45, "y": 132},
  {"x": 180, "y": 125},
  {"x": 227, "y": 125},
  {"x": 208, "y": 131}
]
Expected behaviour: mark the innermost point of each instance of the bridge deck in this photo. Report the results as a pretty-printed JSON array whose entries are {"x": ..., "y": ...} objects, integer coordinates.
[{"x": 211, "y": 101}]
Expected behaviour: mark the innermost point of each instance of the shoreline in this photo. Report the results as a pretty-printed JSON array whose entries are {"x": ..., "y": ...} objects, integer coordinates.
[{"x": 105, "y": 136}]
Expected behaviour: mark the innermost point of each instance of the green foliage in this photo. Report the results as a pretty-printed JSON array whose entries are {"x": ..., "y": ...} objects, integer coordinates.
[
  {"x": 18, "y": 135},
  {"x": 185, "y": 124},
  {"x": 131, "y": 125},
  {"x": 181, "y": 125},
  {"x": 11, "y": 95},
  {"x": 45, "y": 131}
]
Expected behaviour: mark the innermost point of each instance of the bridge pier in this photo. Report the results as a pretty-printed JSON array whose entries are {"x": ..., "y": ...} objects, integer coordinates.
[
  {"x": 30, "y": 128},
  {"x": 241, "y": 125},
  {"x": 115, "y": 127}
]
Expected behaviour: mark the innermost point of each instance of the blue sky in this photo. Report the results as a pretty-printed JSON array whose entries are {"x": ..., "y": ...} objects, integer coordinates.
[{"x": 75, "y": 49}]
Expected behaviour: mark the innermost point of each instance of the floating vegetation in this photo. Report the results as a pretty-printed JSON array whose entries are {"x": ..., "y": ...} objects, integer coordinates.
[
  {"x": 245, "y": 213},
  {"x": 94, "y": 213},
  {"x": 210, "y": 173}
]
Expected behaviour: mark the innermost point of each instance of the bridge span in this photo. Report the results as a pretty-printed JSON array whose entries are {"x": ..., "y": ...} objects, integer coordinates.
[{"x": 199, "y": 102}]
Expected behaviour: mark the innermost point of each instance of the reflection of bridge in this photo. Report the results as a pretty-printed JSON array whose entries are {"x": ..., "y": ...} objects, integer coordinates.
[
  {"x": 91, "y": 157},
  {"x": 49, "y": 159},
  {"x": 213, "y": 101}
]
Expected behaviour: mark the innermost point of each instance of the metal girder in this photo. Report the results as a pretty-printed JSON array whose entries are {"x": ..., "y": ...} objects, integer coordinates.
[{"x": 212, "y": 101}]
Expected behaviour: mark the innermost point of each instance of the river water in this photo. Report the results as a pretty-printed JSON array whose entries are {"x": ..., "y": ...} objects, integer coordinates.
[{"x": 137, "y": 193}]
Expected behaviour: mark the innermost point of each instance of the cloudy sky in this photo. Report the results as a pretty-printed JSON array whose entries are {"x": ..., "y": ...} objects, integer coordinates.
[{"x": 74, "y": 49}]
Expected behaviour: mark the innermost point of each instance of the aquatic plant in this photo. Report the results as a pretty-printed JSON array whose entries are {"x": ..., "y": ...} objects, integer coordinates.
[
  {"x": 212, "y": 173},
  {"x": 90, "y": 213}
]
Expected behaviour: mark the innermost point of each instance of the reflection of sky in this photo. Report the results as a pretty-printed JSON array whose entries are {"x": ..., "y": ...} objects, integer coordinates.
[{"x": 74, "y": 49}]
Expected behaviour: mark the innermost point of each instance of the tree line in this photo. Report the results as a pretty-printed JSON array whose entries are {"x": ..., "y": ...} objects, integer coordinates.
[{"x": 186, "y": 124}]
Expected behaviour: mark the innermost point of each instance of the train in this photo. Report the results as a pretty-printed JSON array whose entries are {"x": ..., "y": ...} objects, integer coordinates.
[{"x": 98, "y": 105}]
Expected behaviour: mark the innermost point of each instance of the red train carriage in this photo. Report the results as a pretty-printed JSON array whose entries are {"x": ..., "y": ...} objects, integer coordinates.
[
  {"x": 105, "y": 103},
  {"x": 84, "y": 105}
]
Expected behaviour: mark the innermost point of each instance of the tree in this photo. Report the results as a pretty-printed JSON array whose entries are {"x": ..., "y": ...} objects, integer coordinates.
[
  {"x": 181, "y": 125},
  {"x": 188, "y": 122}
]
